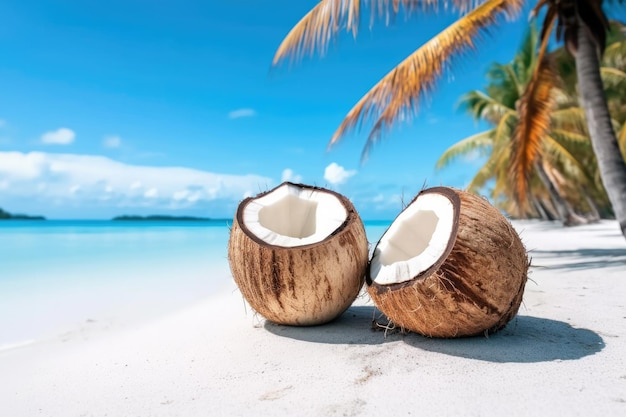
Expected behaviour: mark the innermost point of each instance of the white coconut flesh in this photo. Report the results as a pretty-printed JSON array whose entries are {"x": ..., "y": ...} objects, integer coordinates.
[
  {"x": 415, "y": 241},
  {"x": 294, "y": 216}
]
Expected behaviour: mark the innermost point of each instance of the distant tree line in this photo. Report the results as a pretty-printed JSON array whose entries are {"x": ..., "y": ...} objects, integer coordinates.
[{"x": 5, "y": 215}]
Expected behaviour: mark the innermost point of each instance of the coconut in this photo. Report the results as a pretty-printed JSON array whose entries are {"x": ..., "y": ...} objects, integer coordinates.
[
  {"x": 298, "y": 254},
  {"x": 450, "y": 265}
]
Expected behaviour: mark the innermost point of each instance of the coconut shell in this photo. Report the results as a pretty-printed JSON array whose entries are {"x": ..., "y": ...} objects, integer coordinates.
[
  {"x": 302, "y": 285},
  {"x": 475, "y": 288}
]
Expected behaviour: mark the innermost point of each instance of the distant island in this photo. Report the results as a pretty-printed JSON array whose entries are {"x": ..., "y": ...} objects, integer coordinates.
[
  {"x": 5, "y": 215},
  {"x": 162, "y": 217}
]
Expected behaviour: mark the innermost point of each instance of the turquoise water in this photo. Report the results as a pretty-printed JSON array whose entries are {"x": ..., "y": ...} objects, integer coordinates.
[
  {"x": 55, "y": 275},
  {"x": 32, "y": 249}
]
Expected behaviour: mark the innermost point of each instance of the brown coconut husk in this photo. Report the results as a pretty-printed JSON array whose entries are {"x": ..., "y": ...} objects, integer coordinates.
[
  {"x": 475, "y": 288},
  {"x": 303, "y": 285}
]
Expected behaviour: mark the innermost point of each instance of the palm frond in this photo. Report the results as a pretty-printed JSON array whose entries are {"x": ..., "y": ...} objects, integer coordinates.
[
  {"x": 567, "y": 136},
  {"x": 563, "y": 98},
  {"x": 398, "y": 93},
  {"x": 483, "y": 107},
  {"x": 475, "y": 142},
  {"x": 571, "y": 118},
  {"x": 502, "y": 140},
  {"x": 313, "y": 32},
  {"x": 504, "y": 130},
  {"x": 615, "y": 55},
  {"x": 612, "y": 78},
  {"x": 549, "y": 18},
  {"x": 617, "y": 32},
  {"x": 324, "y": 22},
  {"x": 504, "y": 84},
  {"x": 526, "y": 58},
  {"x": 534, "y": 123},
  {"x": 493, "y": 169},
  {"x": 621, "y": 140},
  {"x": 557, "y": 151},
  {"x": 484, "y": 174},
  {"x": 565, "y": 66}
]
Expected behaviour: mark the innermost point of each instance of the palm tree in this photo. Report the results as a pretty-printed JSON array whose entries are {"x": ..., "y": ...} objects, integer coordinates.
[
  {"x": 583, "y": 26},
  {"x": 551, "y": 192},
  {"x": 396, "y": 95},
  {"x": 613, "y": 74}
]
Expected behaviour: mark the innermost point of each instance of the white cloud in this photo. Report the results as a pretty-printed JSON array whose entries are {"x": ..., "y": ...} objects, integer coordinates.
[
  {"x": 112, "y": 141},
  {"x": 180, "y": 195},
  {"x": 17, "y": 167},
  {"x": 289, "y": 175},
  {"x": 62, "y": 136},
  {"x": 336, "y": 174},
  {"x": 85, "y": 180},
  {"x": 239, "y": 113}
]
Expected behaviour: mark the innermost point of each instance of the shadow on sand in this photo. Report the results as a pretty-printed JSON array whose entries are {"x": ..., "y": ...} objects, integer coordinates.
[
  {"x": 581, "y": 258},
  {"x": 354, "y": 327},
  {"x": 525, "y": 340}
]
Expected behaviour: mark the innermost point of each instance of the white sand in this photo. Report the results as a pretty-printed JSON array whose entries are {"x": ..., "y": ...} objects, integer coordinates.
[{"x": 565, "y": 355}]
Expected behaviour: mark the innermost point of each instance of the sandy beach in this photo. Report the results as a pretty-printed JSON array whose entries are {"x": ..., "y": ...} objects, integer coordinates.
[{"x": 564, "y": 354}]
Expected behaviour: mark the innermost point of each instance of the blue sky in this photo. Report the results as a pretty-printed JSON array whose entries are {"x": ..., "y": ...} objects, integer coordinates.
[{"x": 142, "y": 106}]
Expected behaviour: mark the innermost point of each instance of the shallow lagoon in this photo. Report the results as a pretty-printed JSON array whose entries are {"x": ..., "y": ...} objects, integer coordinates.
[{"x": 56, "y": 275}]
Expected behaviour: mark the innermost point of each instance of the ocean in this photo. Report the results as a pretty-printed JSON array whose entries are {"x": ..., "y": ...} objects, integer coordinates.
[{"x": 57, "y": 275}]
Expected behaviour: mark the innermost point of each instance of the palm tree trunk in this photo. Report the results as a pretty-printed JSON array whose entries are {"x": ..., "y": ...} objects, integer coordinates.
[
  {"x": 543, "y": 215},
  {"x": 548, "y": 206},
  {"x": 603, "y": 139},
  {"x": 566, "y": 214},
  {"x": 593, "y": 207}
]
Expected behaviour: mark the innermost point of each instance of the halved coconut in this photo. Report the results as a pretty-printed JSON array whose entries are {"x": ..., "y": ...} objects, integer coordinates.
[
  {"x": 298, "y": 254},
  {"x": 450, "y": 265}
]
